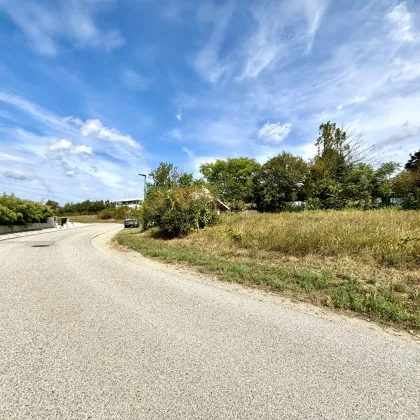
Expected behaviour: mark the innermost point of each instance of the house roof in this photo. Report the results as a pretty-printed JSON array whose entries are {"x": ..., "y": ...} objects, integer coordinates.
[{"x": 223, "y": 205}]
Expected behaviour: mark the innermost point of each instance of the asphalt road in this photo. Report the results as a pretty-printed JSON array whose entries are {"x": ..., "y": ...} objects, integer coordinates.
[{"x": 85, "y": 334}]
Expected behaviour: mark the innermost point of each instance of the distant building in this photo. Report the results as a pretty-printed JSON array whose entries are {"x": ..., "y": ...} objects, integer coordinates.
[{"x": 131, "y": 203}]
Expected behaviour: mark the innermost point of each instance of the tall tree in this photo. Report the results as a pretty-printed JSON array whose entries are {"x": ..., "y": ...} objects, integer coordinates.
[
  {"x": 279, "y": 182},
  {"x": 166, "y": 175},
  {"x": 232, "y": 178}
]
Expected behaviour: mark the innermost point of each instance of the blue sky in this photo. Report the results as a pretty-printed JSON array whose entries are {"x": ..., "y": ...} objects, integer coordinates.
[{"x": 93, "y": 92}]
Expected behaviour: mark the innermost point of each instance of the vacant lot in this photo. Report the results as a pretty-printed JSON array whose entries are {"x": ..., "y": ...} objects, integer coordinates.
[{"x": 366, "y": 262}]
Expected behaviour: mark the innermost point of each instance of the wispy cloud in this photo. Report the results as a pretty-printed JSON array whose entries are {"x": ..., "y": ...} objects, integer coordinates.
[
  {"x": 401, "y": 21},
  {"x": 95, "y": 128},
  {"x": 188, "y": 151},
  {"x": 17, "y": 175},
  {"x": 208, "y": 62},
  {"x": 284, "y": 30},
  {"x": 175, "y": 133},
  {"x": 274, "y": 133},
  {"x": 353, "y": 101},
  {"x": 45, "y": 24},
  {"x": 179, "y": 116}
]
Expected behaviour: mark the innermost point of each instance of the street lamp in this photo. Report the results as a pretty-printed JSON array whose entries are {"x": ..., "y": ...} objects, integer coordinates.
[{"x": 144, "y": 193}]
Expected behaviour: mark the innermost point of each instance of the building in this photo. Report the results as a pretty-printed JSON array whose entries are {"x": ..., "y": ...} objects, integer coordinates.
[{"x": 131, "y": 203}]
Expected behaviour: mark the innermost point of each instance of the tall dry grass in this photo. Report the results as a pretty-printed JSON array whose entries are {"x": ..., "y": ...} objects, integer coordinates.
[{"x": 389, "y": 238}]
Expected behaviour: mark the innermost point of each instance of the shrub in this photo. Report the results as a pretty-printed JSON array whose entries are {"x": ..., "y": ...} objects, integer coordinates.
[
  {"x": 106, "y": 214},
  {"x": 179, "y": 210},
  {"x": 120, "y": 213},
  {"x": 239, "y": 206},
  {"x": 15, "y": 211},
  {"x": 412, "y": 201}
]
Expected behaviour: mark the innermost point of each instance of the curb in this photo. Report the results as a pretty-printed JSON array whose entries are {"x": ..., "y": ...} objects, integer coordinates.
[{"x": 43, "y": 233}]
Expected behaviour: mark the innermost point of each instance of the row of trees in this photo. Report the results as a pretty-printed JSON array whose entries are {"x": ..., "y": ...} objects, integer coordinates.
[
  {"x": 337, "y": 177},
  {"x": 85, "y": 207}
]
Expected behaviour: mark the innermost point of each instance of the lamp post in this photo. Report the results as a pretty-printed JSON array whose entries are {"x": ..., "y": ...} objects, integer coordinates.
[{"x": 144, "y": 193}]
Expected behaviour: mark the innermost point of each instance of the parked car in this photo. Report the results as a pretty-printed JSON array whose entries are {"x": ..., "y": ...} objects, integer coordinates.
[{"x": 131, "y": 222}]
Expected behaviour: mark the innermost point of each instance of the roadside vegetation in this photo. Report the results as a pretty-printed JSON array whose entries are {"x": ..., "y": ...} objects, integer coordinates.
[
  {"x": 335, "y": 231},
  {"x": 364, "y": 262},
  {"x": 15, "y": 211}
]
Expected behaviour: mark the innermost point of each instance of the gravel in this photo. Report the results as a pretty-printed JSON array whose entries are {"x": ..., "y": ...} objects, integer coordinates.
[{"x": 86, "y": 334}]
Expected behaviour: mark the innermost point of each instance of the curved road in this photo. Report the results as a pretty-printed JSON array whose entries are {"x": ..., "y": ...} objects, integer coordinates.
[{"x": 85, "y": 334}]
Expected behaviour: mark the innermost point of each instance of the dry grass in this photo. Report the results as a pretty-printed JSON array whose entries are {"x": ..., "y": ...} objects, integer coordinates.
[
  {"x": 365, "y": 262},
  {"x": 389, "y": 238}
]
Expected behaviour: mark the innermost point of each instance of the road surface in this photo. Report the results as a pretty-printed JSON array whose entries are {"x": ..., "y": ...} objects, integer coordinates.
[{"x": 88, "y": 335}]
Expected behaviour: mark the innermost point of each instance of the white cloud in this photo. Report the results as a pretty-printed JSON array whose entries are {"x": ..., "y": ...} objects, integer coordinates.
[
  {"x": 401, "y": 21},
  {"x": 17, "y": 175},
  {"x": 135, "y": 80},
  {"x": 62, "y": 157},
  {"x": 179, "y": 116},
  {"x": 65, "y": 148},
  {"x": 274, "y": 133},
  {"x": 45, "y": 24},
  {"x": 95, "y": 128}
]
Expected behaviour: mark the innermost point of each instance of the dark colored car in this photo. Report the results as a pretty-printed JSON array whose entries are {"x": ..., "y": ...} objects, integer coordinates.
[{"x": 130, "y": 222}]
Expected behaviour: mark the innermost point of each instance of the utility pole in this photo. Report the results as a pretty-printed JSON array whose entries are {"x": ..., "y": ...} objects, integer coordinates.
[{"x": 144, "y": 193}]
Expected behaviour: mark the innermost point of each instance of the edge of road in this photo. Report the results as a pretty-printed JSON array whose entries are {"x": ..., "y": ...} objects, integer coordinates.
[
  {"x": 53, "y": 230},
  {"x": 103, "y": 243}
]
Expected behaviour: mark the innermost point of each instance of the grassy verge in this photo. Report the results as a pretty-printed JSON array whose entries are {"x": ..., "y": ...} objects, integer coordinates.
[{"x": 359, "y": 262}]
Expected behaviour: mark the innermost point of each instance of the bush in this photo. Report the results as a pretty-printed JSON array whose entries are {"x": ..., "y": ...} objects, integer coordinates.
[
  {"x": 120, "y": 213},
  {"x": 412, "y": 201},
  {"x": 178, "y": 211},
  {"x": 15, "y": 211},
  {"x": 106, "y": 214}
]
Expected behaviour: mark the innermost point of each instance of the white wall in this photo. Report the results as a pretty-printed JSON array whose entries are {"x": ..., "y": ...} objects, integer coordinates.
[{"x": 32, "y": 226}]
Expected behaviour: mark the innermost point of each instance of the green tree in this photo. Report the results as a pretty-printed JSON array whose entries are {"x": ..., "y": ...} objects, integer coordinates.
[
  {"x": 166, "y": 175},
  {"x": 279, "y": 181},
  {"x": 54, "y": 205},
  {"x": 383, "y": 181},
  {"x": 357, "y": 185},
  {"x": 338, "y": 176},
  {"x": 413, "y": 163},
  {"x": 332, "y": 150},
  {"x": 232, "y": 178},
  {"x": 407, "y": 184}
]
